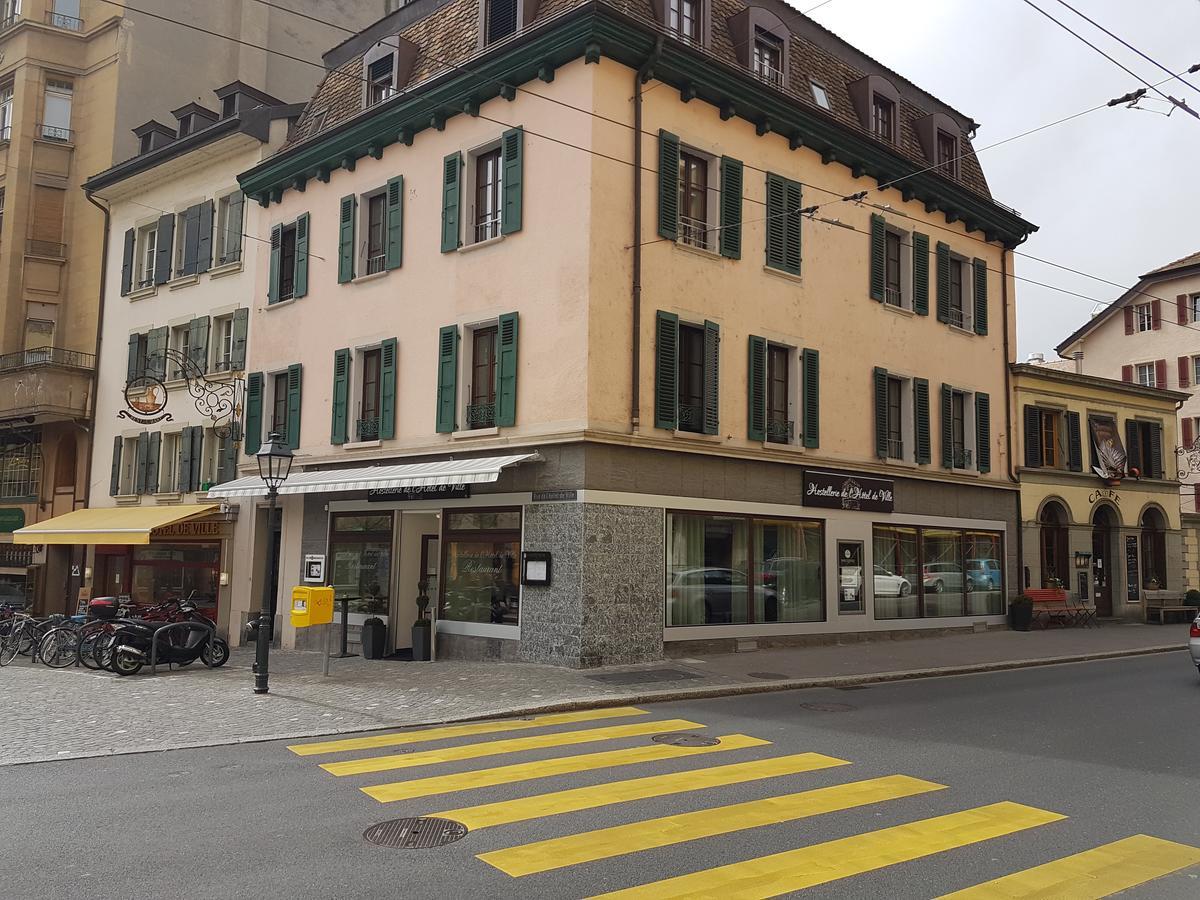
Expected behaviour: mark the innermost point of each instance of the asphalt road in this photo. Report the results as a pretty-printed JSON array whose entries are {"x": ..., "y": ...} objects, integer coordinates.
[{"x": 1061, "y": 759}]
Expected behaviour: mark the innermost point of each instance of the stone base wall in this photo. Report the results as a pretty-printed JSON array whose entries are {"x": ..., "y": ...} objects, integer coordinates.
[
  {"x": 462, "y": 646},
  {"x": 678, "y": 649}
]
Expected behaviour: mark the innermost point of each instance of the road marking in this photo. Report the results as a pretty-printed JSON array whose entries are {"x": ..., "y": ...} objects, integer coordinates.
[
  {"x": 510, "y": 745},
  {"x": 545, "y": 768},
  {"x": 538, "y": 806},
  {"x": 1090, "y": 875},
  {"x": 605, "y": 843},
  {"x": 794, "y": 870},
  {"x": 398, "y": 738}
]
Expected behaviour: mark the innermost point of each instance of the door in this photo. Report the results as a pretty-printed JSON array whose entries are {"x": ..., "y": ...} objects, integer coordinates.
[{"x": 1102, "y": 561}]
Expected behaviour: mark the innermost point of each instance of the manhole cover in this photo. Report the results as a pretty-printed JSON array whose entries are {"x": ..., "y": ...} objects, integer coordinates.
[
  {"x": 827, "y": 707},
  {"x": 421, "y": 833},
  {"x": 685, "y": 740},
  {"x": 768, "y": 676}
]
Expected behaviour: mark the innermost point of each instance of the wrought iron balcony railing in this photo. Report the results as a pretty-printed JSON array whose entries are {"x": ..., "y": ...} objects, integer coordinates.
[
  {"x": 780, "y": 431},
  {"x": 895, "y": 448},
  {"x": 956, "y": 317},
  {"x": 367, "y": 429},
  {"x": 9, "y": 21},
  {"x": 892, "y": 296},
  {"x": 56, "y": 133},
  {"x": 963, "y": 458},
  {"x": 691, "y": 417},
  {"x": 694, "y": 232},
  {"x": 68, "y": 23},
  {"x": 375, "y": 264},
  {"x": 481, "y": 415},
  {"x": 47, "y": 356}
]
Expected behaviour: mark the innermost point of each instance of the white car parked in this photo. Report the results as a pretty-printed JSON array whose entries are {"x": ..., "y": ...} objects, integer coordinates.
[
  {"x": 1194, "y": 641},
  {"x": 890, "y": 585}
]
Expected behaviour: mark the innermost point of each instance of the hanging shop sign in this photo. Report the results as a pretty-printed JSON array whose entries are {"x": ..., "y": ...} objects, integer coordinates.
[
  {"x": 145, "y": 401},
  {"x": 846, "y": 490},
  {"x": 1110, "y": 452},
  {"x": 11, "y": 519},
  {"x": 428, "y": 492},
  {"x": 217, "y": 399}
]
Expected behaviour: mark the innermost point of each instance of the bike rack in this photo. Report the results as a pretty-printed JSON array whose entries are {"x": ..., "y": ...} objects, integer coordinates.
[{"x": 190, "y": 623}]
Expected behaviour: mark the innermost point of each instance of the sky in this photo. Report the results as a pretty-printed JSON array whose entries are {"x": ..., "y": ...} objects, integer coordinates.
[{"x": 1114, "y": 193}]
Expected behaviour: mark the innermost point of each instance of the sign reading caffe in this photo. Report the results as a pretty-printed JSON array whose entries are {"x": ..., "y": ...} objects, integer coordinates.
[{"x": 845, "y": 490}]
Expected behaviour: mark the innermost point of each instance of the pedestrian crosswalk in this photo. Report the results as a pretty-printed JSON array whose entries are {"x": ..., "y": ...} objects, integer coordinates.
[{"x": 704, "y": 774}]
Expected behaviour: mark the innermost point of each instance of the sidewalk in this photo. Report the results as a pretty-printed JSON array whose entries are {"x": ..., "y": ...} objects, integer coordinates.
[{"x": 63, "y": 714}]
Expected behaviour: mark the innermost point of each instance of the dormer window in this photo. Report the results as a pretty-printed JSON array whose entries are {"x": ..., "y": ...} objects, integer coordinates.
[
  {"x": 380, "y": 77},
  {"x": 500, "y": 19},
  {"x": 883, "y": 118},
  {"x": 684, "y": 19},
  {"x": 820, "y": 95},
  {"x": 947, "y": 154},
  {"x": 186, "y": 125},
  {"x": 146, "y": 143},
  {"x": 229, "y": 106},
  {"x": 768, "y": 57}
]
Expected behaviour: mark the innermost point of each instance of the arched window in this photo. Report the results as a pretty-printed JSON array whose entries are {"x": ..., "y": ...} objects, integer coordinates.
[
  {"x": 1154, "y": 550},
  {"x": 1053, "y": 543}
]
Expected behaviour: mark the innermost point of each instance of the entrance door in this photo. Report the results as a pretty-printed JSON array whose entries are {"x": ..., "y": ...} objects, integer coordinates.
[{"x": 1103, "y": 560}]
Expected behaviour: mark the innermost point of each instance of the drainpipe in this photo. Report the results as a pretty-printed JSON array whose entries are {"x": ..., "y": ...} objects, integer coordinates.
[
  {"x": 1008, "y": 417},
  {"x": 91, "y": 425},
  {"x": 644, "y": 74}
]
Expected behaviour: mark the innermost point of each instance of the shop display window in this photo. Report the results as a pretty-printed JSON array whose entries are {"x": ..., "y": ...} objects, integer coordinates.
[
  {"x": 360, "y": 564},
  {"x": 481, "y": 567},
  {"x": 937, "y": 572}
]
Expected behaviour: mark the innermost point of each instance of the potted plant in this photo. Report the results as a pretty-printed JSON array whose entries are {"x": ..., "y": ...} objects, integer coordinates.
[
  {"x": 422, "y": 629},
  {"x": 1192, "y": 597},
  {"x": 1020, "y": 613}
]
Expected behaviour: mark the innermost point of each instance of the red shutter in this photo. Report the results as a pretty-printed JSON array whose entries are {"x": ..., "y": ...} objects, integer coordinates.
[
  {"x": 1185, "y": 364},
  {"x": 1181, "y": 306},
  {"x": 1188, "y": 431},
  {"x": 1160, "y": 373},
  {"x": 1127, "y": 373},
  {"x": 1156, "y": 314},
  {"x": 1129, "y": 320}
]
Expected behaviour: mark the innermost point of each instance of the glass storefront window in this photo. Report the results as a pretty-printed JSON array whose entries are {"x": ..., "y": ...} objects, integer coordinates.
[
  {"x": 937, "y": 572},
  {"x": 486, "y": 520},
  {"x": 897, "y": 576},
  {"x": 733, "y": 570},
  {"x": 943, "y": 576},
  {"x": 360, "y": 566},
  {"x": 190, "y": 572},
  {"x": 985, "y": 574},
  {"x": 480, "y": 574}
]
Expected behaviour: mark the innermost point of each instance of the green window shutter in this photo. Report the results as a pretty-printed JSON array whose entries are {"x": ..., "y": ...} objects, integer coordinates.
[
  {"x": 204, "y": 245},
  {"x": 506, "y": 366},
  {"x": 183, "y": 469},
  {"x": 983, "y": 432},
  {"x": 666, "y": 371},
  {"x": 447, "y": 380},
  {"x": 142, "y": 446},
  {"x": 276, "y": 251},
  {"x": 300, "y": 269},
  {"x": 295, "y": 378},
  {"x": 776, "y": 230},
  {"x": 163, "y": 247},
  {"x": 132, "y": 365},
  {"x": 811, "y": 365},
  {"x": 191, "y": 240},
  {"x": 346, "y": 216},
  {"x": 920, "y": 269},
  {"x": 197, "y": 456},
  {"x": 1033, "y": 436},
  {"x": 341, "y": 396},
  {"x": 668, "y": 186},
  {"x": 451, "y": 177},
  {"x": 712, "y": 377},
  {"x": 947, "y": 427},
  {"x": 731, "y": 208},
  {"x": 943, "y": 282},
  {"x": 198, "y": 343},
  {"x": 394, "y": 254},
  {"x": 227, "y": 464},
  {"x": 512, "y": 154},
  {"x": 1074, "y": 443},
  {"x": 791, "y": 220},
  {"x": 241, "y": 326},
  {"x": 254, "y": 403},
  {"x": 152, "y": 454},
  {"x": 980, "y": 296},
  {"x": 880, "y": 380},
  {"x": 387, "y": 389},
  {"x": 878, "y": 257},
  {"x": 1133, "y": 447},
  {"x": 923, "y": 450},
  {"x": 114, "y": 480},
  {"x": 127, "y": 262},
  {"x": 156, "y": 352},
  {"x": 756, "y": 414},
  {"x": 1154, "y": 465}
]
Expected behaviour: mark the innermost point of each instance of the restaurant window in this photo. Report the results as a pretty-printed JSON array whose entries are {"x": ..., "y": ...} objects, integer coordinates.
[
  {"x": 768, "y": 57},
  {"x": 20, "y": 467},
  {"x": 684, "y": 19},
  {"x": 183, "y": 571},
  {"x": 360, "y": 552},
  {"x": 1154, "y": 551},
  {"x": 1052, "y": 543},
  {"x": 736, "y": 570},
  {"x": 480, "y": 568},
  {"x": 481, "y": 406},
  {"x": 947, "y": 154},
  {"x": 693, "y": 199},
  {"x": 780, "y": 424},
  {"x": 883, "y": 118},
  {"x": 691, "y": 378},
  {"x": 937, "y": 572}
]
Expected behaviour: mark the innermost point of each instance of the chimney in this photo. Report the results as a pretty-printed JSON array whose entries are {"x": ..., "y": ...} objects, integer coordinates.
[
  {"x": 1036, "y": 359},
  {"x": 1078, "y": 357}
]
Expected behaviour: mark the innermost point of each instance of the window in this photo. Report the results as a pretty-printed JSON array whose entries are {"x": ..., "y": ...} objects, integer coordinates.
[
  {"x": 140, "y": 353},
  {"x": 6, "y": 112},
  {"x": 481, "y": 406},
  {"x": 360, "y": 564},
  {"x": 147, "y": 243},
  {"x": 684, "y": 19},
  {"x": 947, "y": 154},
  {"x": 691, "y": 378},
  {"x": 186, "y": 124},
  {"x": 376, "y": 211},
  {"x": 146, "y": 143},
  {"x": 1145, "y": 374},
  {"x": 1052, "y": 544},
  {"x": 66, "y": 15},
  {"x": 380, "y": 74},
  {"x": 1143, "y": 317},
  {"x": 481, "y": 568},
  {"x": 1196, "y": 370},
  {"x": 10, "y": 11},
  {"x": 893, "y": 294},
  {"x": 367, "y": 428},
  {"x": 223, "y": 358},
  {"x": 279, "y": 403},
  {"x": 1144, "y": 448},
  {"x": 820, "y": 95},
  {"x": 895, "y": 420},
  {"x": 229, "y": 106},
  {"x": 780, "y": 424},
  {"x": 287, "y": 262},
  {"x": 1154, "y": 551},
  {"x": 20, "y": 466},
  {"x": 488, "y": 194},
  {"x": 768, "y": 57},
  {"x": 937, "y": 572},
  {"x": 958, "y": 430},
  {"x": 736, "y": 570},
  {"x": 1, "y": 209},
  {"x": 883, "y": 118},
  {"x": 129, "y": 466},
  {"x": 1051, "y": 443},
  {"x": 56, "y": 113},
  {"x": 229, "y": 228},
  {"x": 501, "y": 19},
  {"x": 1194, "y": 308},
  {"x": 181, "y": 241},
  {"x": 168, "y": 462},
  {"x": 957, "y": 310},
  {"x": 181, "y": 343},
  {"x": 693, "y": 199}
]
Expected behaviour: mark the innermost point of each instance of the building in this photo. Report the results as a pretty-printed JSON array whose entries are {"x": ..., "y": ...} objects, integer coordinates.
[
  {"x": 75, "y": 77},
  {"x": 605, "y": 416},
  {"x": 1092, "y": 526}
]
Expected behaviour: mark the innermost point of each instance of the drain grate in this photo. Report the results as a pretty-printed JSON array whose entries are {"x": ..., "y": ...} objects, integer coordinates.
[
  {"x": 678, "y": 739},
  {"x": 768, "y": 676},
  {"x": 827, "y": 707},
  {"x": 643, "y": 676},
  {"x": 423, "y": 833}
]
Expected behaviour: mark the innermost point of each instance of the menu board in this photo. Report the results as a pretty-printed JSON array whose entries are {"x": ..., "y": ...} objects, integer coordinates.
[{"x": 1131, "y": 566}]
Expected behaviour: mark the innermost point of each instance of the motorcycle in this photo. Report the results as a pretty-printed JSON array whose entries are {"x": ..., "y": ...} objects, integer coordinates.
[{"x": 189, "y": 639}]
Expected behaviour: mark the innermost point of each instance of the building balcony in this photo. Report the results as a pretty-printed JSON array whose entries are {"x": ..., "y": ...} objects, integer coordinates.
[
  {"x": 367, "y": 429},
  {"x": 67, "y": 23},
  {"x": 46, "y": 384}
]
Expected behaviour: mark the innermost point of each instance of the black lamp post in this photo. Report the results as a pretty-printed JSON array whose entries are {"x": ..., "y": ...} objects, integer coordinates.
[{"x": 274, "y": 465}]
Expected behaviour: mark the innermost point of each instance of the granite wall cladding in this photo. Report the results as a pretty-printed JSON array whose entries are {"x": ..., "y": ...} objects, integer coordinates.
[{"x": 605, "y": 604}]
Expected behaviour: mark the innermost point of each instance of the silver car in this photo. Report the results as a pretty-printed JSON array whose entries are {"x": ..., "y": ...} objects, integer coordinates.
[{"x": 1194, "y": 641}]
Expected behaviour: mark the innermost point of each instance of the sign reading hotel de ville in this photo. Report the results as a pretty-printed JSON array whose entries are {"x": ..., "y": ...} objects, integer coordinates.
[{"x": 846, "y": 490}]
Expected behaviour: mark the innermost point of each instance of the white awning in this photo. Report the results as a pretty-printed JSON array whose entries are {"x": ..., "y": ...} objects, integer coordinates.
[{"x": 413, "y": 475}]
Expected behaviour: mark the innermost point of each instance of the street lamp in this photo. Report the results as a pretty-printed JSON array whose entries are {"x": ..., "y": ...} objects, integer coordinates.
[{"x": 274, "y": 465}]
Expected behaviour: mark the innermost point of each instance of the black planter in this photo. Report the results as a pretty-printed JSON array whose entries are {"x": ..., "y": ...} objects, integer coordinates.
[
  {"x": 374, "y": 634},
  {"x": 1020, "y": 616},
  {"x": 422, "y": 638}
]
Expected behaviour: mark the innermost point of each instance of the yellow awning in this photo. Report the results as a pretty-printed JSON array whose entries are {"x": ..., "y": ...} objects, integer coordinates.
[{"x": 118, "y": 525}]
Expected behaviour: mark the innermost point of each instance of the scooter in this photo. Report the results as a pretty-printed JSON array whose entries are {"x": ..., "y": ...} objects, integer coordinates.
[{"x": 190, "y": 639}]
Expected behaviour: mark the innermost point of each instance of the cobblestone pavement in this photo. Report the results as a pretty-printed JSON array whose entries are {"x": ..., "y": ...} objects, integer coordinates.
[{"x": 59, "y": 714}]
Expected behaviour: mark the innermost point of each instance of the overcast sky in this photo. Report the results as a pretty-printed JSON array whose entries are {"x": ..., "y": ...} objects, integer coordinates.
[{"x": 1114, "y": 192}]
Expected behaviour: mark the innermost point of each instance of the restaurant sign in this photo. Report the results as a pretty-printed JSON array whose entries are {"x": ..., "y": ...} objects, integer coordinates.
[
  {"x": 213, "y": 530},
  {"x": 846, "y": 490},
  {"x": 426, "y": 492}
]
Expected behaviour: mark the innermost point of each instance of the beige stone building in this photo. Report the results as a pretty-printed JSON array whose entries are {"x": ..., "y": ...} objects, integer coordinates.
[{"x": 76, "y": 76}]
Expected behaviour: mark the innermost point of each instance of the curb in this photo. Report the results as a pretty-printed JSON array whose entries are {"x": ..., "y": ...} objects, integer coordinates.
[{"x": 676, "y": 694}]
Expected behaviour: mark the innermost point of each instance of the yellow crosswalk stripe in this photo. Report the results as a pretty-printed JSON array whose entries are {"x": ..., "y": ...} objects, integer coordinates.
[
  {"x": 1090, "y": 875},
  {"x": 546, "y": 768},
  {"x": 794, "y": 870},
  {"x": 399, "y": 738},
  {"x": 510, "y": 745},
  {"x": 506, "y": 812},
  {"x": 605, "y": 843}
]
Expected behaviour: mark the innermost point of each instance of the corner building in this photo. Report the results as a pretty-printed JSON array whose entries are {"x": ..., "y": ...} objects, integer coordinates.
[{"x": 578, "y": 280}]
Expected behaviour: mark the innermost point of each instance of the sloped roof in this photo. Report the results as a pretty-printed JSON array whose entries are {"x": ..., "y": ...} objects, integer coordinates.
[{"x": 1183, "y": 263}]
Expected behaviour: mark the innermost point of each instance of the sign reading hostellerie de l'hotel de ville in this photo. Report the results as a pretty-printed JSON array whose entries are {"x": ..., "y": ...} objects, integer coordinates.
[{"x": 846, "y": 490}]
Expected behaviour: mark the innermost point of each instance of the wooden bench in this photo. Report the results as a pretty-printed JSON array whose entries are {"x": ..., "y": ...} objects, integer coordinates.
[
  {"x": 1161, "y": 606},
  {"x": 1054, "y": 606}
]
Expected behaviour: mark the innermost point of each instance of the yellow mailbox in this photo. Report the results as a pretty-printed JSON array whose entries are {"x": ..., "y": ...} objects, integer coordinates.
[{"x": 311, "y": 606}]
